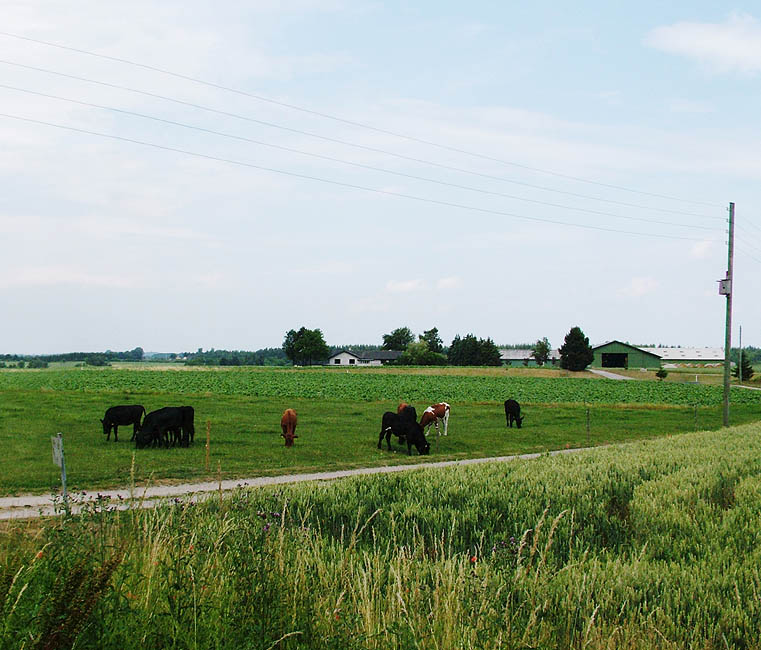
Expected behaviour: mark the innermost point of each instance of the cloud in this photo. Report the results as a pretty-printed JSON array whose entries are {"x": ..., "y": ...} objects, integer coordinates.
[
  {"x": 611, "y": 97},
  {"x": 445, "y": 284},
  {"x": 405, "y": 286},
  {"x": 689, "y": 106},
  {"x": 48, "y": 276},
  {"x": 640, "y": 286},
  {"x": 701, "y": 250},
  {"x": 734, "y": 45}
]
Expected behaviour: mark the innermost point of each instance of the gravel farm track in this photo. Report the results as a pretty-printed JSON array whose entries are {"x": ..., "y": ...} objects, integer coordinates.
[{"x": 39, "y": 505}]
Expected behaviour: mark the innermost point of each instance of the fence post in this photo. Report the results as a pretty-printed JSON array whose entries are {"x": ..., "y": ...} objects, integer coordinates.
[
  {"x": 588, "y": 441},
  {"x": 219, "y": 479},
  {"x": 208, "y": 438},
  {"x": 60, "y": 460}
]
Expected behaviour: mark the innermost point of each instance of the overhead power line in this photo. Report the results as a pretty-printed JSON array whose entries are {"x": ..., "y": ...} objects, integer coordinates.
[
  {"x": 747, "y": 253},
  {"x": 346, "y": 162},
  {"x": 354, "y": 145},
  {"x": 340, "y": 183},
  {"x": 756, "y": 248},
  {"x": 351, "y": 122}
]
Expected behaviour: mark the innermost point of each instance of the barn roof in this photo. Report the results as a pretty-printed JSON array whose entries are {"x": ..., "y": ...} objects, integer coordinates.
[
  {"x": 519, "y": 354},
  {"x": 626, "y": 345},
  {"x": 377, "y": 355},
  {"x": 688, "y": 354}
]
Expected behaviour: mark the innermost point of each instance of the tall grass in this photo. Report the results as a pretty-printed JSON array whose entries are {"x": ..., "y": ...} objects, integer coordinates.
[{"x": 648, "y": 545}]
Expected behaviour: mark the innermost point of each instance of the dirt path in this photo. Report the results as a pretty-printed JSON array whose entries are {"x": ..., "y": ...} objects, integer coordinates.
[
  {"x": 37, "y": 505},
  {"x": 609, "y": 375}
]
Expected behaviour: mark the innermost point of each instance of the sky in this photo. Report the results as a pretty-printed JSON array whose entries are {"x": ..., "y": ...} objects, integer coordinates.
[{"x": 194, "y": 174}]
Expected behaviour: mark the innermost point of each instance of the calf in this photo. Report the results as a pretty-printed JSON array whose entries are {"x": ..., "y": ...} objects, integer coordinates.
[
  {"x": 434, "y": 414},
  {"x": 513, "y": 413},
  {"x": 124, "y": 415},
  {"x": 288, "y": 425},
  {"x": 404, "y": 428}
]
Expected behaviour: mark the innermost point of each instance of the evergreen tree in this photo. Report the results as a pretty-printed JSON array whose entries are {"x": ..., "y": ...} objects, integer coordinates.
[
  {"x": 576, "y": 353},
  {"x": 746, "y": 366}
]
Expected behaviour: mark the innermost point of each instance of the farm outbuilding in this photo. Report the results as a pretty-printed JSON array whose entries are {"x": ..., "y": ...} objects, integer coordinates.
[
  {"x": 689, "y": 356},
  {"x": 524, "y": 357},
  {"x": 616, "y": 354},
  {"x": 352, "y": 358}
]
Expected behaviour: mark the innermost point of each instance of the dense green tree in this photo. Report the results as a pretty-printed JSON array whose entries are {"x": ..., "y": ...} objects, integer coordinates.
[
  {"x": 306, "y": 346},
  {"x": 418, "y": 354},
  {"x": 576, "y": 353},
  {"x": 470, "y": 351},
  {"x": 432, "y": 338},
  {"x": 36, "y": 362},
  {"x": 541, "y": 351},
  {"x": 399, "y": 339},
  {"x": 746, "y": 366},
  {"x": 661, "y": 373}
]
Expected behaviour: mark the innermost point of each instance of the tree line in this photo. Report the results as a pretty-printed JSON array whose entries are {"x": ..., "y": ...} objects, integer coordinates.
[{"x": 306, "y": 347}]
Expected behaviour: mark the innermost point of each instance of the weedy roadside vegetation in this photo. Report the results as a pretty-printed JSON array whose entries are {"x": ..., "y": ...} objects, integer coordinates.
[{"x": 646, "y": 545}]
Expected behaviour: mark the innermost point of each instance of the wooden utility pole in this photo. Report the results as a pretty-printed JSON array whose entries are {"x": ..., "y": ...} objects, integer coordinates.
[{"x": 725, "y": 288}]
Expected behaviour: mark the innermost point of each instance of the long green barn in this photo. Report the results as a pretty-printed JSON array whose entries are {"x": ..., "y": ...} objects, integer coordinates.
[{"x": 616, "y": 354}]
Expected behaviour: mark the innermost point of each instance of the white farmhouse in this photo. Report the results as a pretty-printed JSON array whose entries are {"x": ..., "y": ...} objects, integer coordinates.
[{"x": 351, "y": 358}]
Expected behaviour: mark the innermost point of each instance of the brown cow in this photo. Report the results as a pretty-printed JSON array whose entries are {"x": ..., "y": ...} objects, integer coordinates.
[
  {"x": 433, "y": 414},
  {"x": 401, "y": 407},
  {"x": 288, "y": 425}
]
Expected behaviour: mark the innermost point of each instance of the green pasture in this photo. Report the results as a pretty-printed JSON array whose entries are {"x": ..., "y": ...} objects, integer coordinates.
[
  {"x": 644, "y": 546},
  {"x": 339, "y": 420}
]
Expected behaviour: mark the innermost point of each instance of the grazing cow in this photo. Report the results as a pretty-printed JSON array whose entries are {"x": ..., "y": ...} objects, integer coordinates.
[
  {"x": 404, "y": 428},
  {"x": 116, "y": 415},
  {"x": 188, "y": 425},
  {"x": 513, "y": 413},
  {"x": 409, "y": 412},
  {"x": 433, "y": 414},
  {"x": 158, "y": 425},
  {"x": 288, "y": 425}
]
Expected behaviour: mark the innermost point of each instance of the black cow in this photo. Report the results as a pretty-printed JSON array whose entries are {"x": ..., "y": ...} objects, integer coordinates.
[
  {"x": 410, "y": 413},
  {"x": 176, "y": 421},
  {"x": 188, "y": 425},
  {"x": 122, "y": 415},
  {"x": 405, "y": 429},
  {"x": 513, "y": 413}
]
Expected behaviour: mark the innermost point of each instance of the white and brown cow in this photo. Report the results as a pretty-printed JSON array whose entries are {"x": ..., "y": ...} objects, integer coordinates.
[{"x": 434, "y": 414}]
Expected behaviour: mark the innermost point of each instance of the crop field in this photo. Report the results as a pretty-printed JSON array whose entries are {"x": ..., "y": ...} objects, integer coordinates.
[
  {"x": 339, "y": 420},
  {"x": 649, "y": 545},
  {"x": 367, "y": 385}
]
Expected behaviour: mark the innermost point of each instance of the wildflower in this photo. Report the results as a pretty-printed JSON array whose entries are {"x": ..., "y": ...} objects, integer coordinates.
[
  {"x": 275, "y": 514},
  {"x": 130, "y": 595},
  {"x": 39, "y": 555},
  {"x": 473, "y": 559},
  {"x": 190, "y": 548},
  {"x": 266, "y": 527}
]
